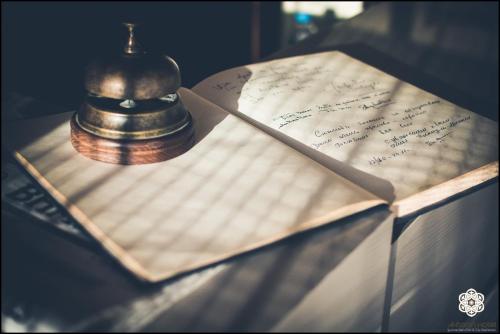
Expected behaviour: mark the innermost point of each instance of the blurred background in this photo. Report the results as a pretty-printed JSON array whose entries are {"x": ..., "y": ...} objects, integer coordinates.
[
  {"x": 46, "y": 45},
  {"x": 448, "y": 48}
]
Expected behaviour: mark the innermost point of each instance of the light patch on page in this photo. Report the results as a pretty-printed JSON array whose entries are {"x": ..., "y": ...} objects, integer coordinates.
[
  {"x": 237, "y": 189},
  {"x": 359, "y": 116}
]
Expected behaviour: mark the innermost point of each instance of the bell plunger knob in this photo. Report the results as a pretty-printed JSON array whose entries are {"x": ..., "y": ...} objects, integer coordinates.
[{"x": 132, "y": 47}]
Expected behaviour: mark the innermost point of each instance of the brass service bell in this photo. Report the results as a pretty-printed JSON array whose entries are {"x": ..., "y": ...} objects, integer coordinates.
[{"x": 132, "y": 113}]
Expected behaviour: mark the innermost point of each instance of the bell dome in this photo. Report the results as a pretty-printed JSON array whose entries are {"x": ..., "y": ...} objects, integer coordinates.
[{"x": 133, "y": 74}]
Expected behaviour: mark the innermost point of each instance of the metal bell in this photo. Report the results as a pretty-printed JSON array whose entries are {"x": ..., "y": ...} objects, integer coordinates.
[{"x": 132, "y": 96}]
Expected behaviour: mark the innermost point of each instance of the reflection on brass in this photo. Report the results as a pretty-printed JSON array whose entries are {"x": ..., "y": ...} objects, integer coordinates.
[
  {"x": 132, "y": 47},
  {"x": 133, "y": 75},
  {"x": 106, "y": 118},
  {"x": 132, "y": 102}
]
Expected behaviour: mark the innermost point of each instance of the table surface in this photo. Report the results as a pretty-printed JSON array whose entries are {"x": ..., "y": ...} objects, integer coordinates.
[{"x": 395, "y": 278}]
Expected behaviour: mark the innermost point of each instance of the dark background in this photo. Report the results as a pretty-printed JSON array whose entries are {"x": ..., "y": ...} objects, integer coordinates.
[
  {"x": 447, "y": 48},
  {"x": 46, "y": 45}
]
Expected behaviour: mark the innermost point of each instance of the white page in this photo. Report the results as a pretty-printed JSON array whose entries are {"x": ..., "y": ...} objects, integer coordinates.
[
  {"x": 341, "y": 111},
  {"x": 235, "y": 190}
]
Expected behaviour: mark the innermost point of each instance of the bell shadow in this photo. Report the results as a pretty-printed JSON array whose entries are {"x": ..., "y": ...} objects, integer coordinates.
[
  {"x": 20, "y": 133},
  {"x": 391, "y": 66},
  {"x": 372, "y": 183},
  {"x": 203, "y": 122}
]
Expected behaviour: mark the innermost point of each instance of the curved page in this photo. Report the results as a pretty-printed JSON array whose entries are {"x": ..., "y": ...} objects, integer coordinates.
[
  {"x": 384, "y": 134},
  {"x": 237, "y": 189}
]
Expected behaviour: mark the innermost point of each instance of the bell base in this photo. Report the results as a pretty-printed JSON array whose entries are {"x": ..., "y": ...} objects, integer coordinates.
[{"x": 131, "y": 152}]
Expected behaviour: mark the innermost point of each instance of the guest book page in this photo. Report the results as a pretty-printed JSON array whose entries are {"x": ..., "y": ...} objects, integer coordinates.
[
  {"x": 332, "y": 105},
  {"x": 237, "y": 189}
]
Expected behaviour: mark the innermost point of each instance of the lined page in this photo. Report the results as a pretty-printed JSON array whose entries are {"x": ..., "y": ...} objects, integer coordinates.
[
  {"x": 343, "y": 112},
  {"x": 237, "y": 189}
]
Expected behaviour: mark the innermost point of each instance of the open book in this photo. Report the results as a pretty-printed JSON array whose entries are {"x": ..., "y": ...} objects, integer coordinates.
[{"x": 281, "y": 147}]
